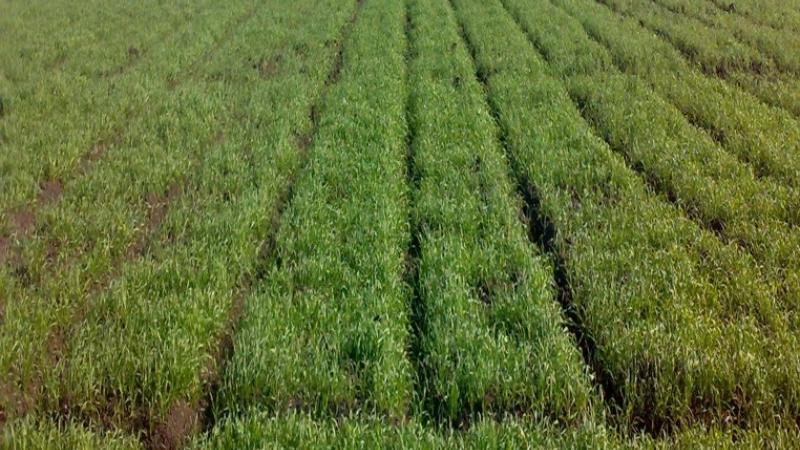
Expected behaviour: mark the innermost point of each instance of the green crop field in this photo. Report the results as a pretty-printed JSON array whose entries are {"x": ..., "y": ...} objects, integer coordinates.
[{"x": 461, "y": 224}]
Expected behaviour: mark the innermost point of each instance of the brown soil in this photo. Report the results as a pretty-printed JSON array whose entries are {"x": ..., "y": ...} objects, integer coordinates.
[
  {"x": 56, "y": 345},
  {"x": 158, "y": 206},
  {"x": 50, "y": 191},
  {"x": 23, "y": 221},
  {"x": 219, "y": 138},
  {"x": 15, "y": 401},
  {"x": 303, "y": 142},
  {"x": 184, "y": 418},
  {"x": 176, "y": 428}
]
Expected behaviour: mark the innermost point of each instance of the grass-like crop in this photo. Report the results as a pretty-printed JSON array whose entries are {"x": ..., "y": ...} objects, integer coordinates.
[
  {"x": 127, "y": 358},
  {"x": 781, "y": 15},
  {"x": 487, "y": 313},
  {"x": 58, "y": 117},
  {"x": 92, "y": 39},
  {"x": 742, "y": 125},
  {"x": 418, "y": 224},
  {"x": 765, "y": 40},
  {"x": 771, "y": 86},
  {"x": 36, "y": 434},
  {"x": 327, "y": 330},
  {"x": 299, "y": 431},
  {"x": 94, "y": 222},
  {"x": 722, "y": 44},
  {"x": 645, "y": 280},
  {"x": 689, "y": 168},
  {"x": 715, "y": 53},
  {"x": 780, "y": 91},
  {"x": 163, "y": 351},
  {"x": 260, "y": 430},
  {"x": 765, "y": 138},
  {"x": 293, "y": 431}
]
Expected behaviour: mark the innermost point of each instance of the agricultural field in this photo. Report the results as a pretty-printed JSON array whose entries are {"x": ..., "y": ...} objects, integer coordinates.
[{"x": 460, "y": 224}]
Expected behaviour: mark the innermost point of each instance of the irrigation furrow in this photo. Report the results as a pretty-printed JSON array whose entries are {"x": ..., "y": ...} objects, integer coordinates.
[
  {"x": 766, "y": 139},
  {"x": 733, "y": 216},
  {"x": 413, "y": 260},
  {"x": 220, "y": 219},
  {"x": 326, "y": 332},
  {"x": 83, "y": 271},
  {"x": 268, "y": 252},
  {"x": 123, "y": 119},
  {"x": 647, "y": 285}
]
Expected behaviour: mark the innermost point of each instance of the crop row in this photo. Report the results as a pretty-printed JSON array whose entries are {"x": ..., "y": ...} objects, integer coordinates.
[
  {"x": 677, "y": 318},
  {"x": 678, "y": 159},
  {"x": 491, "y": 334},
  {"x": 57, "y": 120},
  {"x": 74, "y": 243},
  {"x": 146, "y": 343},
  {"x": 754, "y": 57},
  {"x": 259, "y": 430},
  {"x": 766, "y": 138},
  {"x": 326, "y": 328},
  {"x": 778, "y": 89},
  {"x": 781, "y": 15}
]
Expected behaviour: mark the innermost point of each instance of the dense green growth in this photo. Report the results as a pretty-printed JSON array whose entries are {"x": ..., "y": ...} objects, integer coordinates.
[
  {"x": 147, "y": 341},
  {"x": 694, "y": 162},
  {"x": 75, "y": 248},
  {"x": 726, "y": 45},
  {"x": 487, "y": 309},
  {"x": 258, "y": 430},
  {"x": 779, "y": 14},
  {"x": 65, "y": 104},
  {"x": 766, "y": 138},
  {"x": 327, "y": 330},
  {"x": 416, "y": 224},
  {"x": 48, "y": 435},
  {"x": 670, "y": 309},
  {"x": 779, "y": 89},
  {"x": 765, "y": 40},
  {"x": 153, "y": 341}
]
